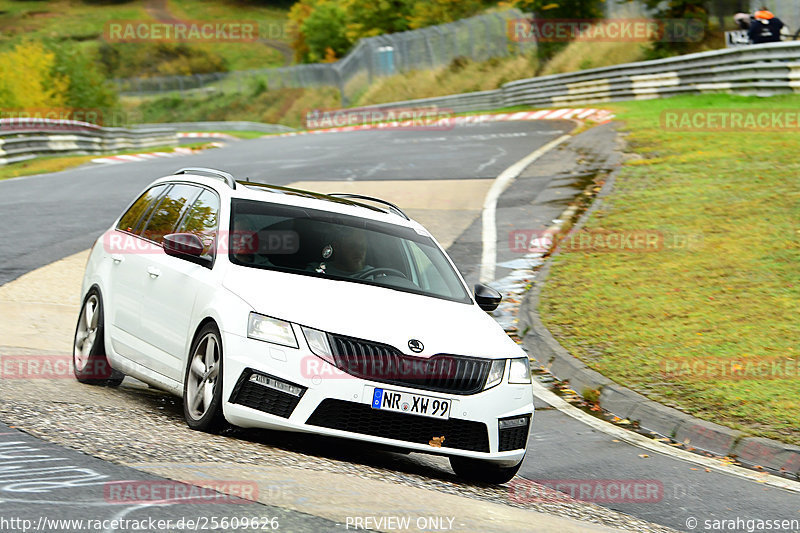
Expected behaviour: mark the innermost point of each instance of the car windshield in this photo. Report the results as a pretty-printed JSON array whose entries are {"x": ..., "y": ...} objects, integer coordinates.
[{"x": 331, "y": 245}]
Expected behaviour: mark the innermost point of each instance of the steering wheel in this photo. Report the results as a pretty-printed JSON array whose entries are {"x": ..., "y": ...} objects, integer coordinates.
[{"x": 377, "y": 270}]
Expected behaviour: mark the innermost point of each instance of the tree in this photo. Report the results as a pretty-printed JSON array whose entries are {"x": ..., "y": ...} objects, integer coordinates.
[
  {"x": 87, "y": 87},
  {"x": 685, "y": 24},
  {"x": 28, "y": 78},
  {"x": 328, "y": 28},
  {"x": 560, "y": 9},
  {"x": 298, "y": 14},
  {"x": 325, "y": 28},
  {"x": 563, "y": 9},
  {"x": 431, "y": 12},
  {"x": 367, "y": 18}
]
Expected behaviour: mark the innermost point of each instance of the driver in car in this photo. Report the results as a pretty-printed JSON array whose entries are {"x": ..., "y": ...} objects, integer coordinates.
[{"x": 349, "y": 253}]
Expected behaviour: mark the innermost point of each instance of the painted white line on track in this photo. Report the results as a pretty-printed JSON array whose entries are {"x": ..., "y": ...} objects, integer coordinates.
[
  {"x": 626, "y": 435},
  {"x": 631, "y": 437},
  {"x": 489, "y": 215}
]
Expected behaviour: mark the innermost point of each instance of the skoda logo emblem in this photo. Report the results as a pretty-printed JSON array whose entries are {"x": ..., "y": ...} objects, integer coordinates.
[{"x": 415, "y": 346}]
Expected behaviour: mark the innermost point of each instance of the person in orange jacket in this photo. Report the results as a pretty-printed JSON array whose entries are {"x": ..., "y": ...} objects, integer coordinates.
[{"x": 765, "y": 27}]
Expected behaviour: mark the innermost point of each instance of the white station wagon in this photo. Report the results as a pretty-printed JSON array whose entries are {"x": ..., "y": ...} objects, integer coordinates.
[{"x": 270, "y": 307}]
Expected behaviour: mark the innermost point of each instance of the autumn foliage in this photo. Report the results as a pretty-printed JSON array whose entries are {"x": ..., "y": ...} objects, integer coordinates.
[
  {"x": 327, "y": 29},
  {"x": 35, "y": 75},
  {"x": 28, "y": 78}
]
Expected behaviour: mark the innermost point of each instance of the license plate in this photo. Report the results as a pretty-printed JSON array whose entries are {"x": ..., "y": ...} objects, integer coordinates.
[{"x": 414, "y": 404}]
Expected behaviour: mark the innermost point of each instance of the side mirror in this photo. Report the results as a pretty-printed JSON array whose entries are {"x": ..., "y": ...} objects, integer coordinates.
[
  {"x": 488, "y": 299},
  {"x": 185, "y": 246}
]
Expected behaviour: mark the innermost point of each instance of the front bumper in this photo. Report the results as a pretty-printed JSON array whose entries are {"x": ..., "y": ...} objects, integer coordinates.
[{"x": 317, "y": 398}]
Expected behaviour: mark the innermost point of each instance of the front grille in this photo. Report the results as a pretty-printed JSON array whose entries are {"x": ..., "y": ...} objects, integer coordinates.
[
  {"x": 263, "y": 398},
  {"x": 380, "y": 362},
  {"x": 514, "y": 438},
  {"x": 363, "y": 419}
]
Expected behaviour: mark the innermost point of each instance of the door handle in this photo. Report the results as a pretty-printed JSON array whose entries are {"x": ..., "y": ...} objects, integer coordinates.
[
  {"x": 117, "y": 258},
  {"x": 153, "y": 271}
]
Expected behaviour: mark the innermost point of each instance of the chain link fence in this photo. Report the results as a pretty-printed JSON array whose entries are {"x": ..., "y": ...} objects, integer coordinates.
[{"x": 478, "y": 38}]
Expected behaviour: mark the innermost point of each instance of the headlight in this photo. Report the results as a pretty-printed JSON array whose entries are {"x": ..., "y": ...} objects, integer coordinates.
[
  {"x": 495, "y": 373},
  {"x": 519, "y": 371},
  {"x": 318, "y": 343},
  {"x": 272, "y": 330}
]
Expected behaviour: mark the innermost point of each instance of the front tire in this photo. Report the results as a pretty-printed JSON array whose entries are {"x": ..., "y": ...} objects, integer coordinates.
[
  {"x": 202, "y": 384},
  {"x": 483, "y": 471},
  {"x": 89, "y": 362}
]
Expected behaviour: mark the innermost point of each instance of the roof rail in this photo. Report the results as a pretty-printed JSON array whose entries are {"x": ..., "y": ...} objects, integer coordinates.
[
  {"x": 391, "y": 206},
  {"x": 224, "y": 176}
]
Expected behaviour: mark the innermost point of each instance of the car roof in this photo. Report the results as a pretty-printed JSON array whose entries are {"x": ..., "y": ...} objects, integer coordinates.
[{"x": 343, "y": 203}]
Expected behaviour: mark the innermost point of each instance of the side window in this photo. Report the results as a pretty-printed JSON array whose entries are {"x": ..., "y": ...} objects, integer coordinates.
[
  {"x": 202, "y": 220},
  {"x": 169, "y": 211},
  {"x": 430, "y": 277},
  {"x": 140, "y": 209}
]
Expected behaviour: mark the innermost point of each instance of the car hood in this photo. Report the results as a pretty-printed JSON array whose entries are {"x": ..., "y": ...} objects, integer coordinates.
[{"x": 372, "y": 313}]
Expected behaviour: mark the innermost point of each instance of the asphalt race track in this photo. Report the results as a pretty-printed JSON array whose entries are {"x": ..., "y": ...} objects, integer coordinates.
[
  {"x": 46, "y": 218},
  {"x": 59, "y": 484}
]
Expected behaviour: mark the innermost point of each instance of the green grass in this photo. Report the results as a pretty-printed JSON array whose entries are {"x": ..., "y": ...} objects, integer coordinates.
[
  {"x": 237, "y": 134},
  {"x": 83, "y": 24},
  {"x": 289, "y": 106},
  {"x": 282, "y": 106},
  {"x": 232, "y": 10},
  {"x": 239, "y": 56},
  {"x": 462, "y": 75},
  {"x": 732, "y": 297},
  {"x": 62, "y": 19}
]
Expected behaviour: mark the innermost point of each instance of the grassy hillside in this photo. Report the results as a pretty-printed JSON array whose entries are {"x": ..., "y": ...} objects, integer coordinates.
[
  {"x": 289, "y": 106},
  {"x": 284, "y": 106},
  {"x": 462, "y": 75},
  {"x": 80, "y": 24}
]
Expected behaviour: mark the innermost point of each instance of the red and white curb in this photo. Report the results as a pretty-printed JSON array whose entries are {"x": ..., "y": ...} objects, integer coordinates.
[
  {"x": 206, "y": 135},
  {"x": 127, "y": 158},
  {"x": 600, "y": 116}
]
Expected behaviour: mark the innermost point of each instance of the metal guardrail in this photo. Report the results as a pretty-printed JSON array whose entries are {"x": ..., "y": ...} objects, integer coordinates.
[
  {"x": 241, "y": 125},
  {"x": 22, "y": 139},
  {"x": 761, "y": 70}
]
